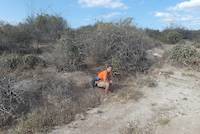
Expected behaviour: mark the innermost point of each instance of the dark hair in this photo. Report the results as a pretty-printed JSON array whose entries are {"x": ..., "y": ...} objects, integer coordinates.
[{"x": 107, "y": 66}]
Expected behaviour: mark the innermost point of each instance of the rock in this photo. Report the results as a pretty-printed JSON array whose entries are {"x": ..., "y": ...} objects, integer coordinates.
[
  {"x": 157, "y": 55},
  {"x": 80, "y": 117},
  {"x": 95, "y": 111},
  {"x": 73, "y": 125},
  {"x": 185, "y": 98}
]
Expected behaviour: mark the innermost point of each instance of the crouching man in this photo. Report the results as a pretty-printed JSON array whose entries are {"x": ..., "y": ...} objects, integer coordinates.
[{"x": 103, "y": 79}]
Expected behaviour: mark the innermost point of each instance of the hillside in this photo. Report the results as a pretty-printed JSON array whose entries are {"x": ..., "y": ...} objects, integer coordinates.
[
  {"x": 170, "y": 107},
  {"x": 46, "y": 68}
]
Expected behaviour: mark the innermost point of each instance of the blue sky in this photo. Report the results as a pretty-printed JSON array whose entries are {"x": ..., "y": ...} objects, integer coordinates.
[{"x": 156, "y": 14}]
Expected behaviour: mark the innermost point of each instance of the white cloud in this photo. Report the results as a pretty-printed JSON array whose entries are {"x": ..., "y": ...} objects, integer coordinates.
[
  {"x": 174, "y": 17},
  {"x": 103, "y": 3},
  {"x": 185, "y": 14},
  {"x": 109, "y": 15},
  {"x": 191, "y": 4},
  {"x": 162, "y": 14},
  {"x": 166, "y": 17}
]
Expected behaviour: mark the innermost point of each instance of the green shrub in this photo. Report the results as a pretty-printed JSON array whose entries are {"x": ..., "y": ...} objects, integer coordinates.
[
  {"x": 68, "y": 56},
  {"x": 155, "y": 34},
  {"x": 10, "y": 61},
  {"x": 106, "y": 43},
  {"x": 170, "y": 35},
  {"x": 15, "y": 39},
  {"x": 185, "y": 55},
  {"x": 173, "y": 37},
  {"x": 115, "y": 65},
  {"x": 30, "y": 61},
  {"x": 45, "y": 27},
  {"x": 196, "y": 44},
  {"x": 40, "y": 28}
]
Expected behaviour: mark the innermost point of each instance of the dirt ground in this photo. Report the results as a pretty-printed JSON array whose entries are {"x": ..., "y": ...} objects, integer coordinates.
[
  {"x": 172, "y": 107},
  {"x": 169, "y": 107}
]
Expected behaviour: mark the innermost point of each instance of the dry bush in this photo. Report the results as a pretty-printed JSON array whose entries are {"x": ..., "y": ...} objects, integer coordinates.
[
  {"x": 120, "y": 44},
  {"x": 15, "y": 39},
  {"x": 14, "y": 61},
  {"x": 58, "y": 109},
  {"x": 10, "y": 61},
  {"x": 130, "y": 130},
  {"x": 68, "y": 56},
  {"x": 31, "y": 61},
  {"x": 45, "y": 27},
  {"x": 10, "y": 100},
  {"x": 185, "y": 55},
  {"x": 196, "y": 44},
  {"x": 45, "y": 118},
  {"x": 37, "y": 105},
  {"x": 136, "y": 127},
  {"x": 39, "y": 28},
  {"x": 172, "y": 36}
]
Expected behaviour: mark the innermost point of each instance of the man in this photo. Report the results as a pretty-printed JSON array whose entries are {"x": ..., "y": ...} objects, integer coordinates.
[{"x": 103, "y": 79}]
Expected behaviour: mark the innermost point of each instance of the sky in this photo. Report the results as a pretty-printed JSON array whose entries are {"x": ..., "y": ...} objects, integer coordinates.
[{"x": 156, "y": 14}]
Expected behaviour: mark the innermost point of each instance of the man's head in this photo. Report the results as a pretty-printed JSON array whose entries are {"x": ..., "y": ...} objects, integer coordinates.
[{"x": 109, "y": 69}]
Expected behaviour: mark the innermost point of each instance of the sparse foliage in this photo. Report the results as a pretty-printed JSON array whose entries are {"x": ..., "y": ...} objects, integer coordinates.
[
  {"x": 185, "y": 55},
  {"x": 120, "y": 44},
  {"x": 40, "y": 28},
  {"x": 14, "y": 61},
  {"x": 49, "y": 100},
  {"x": 39, "y": 103},
  {"x": 173, "y": 37}
]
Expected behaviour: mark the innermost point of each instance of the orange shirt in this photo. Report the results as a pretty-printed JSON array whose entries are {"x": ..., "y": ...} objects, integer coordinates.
[{"x": 104, "y": 75}]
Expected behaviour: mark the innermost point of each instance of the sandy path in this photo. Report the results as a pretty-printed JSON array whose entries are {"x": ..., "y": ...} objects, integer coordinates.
[{"x": 173, "y": 107}]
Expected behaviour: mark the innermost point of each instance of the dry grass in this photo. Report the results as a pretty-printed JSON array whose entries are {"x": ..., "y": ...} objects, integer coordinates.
[
  {"x": 189, "y": 74},
  {"x": 133, "y": 128},
  {"x": 128, "y": 94},
  {"x": 166, "y": 74},
  {"x": 47, "y": 100},
  {"x": 45, "y": 118},
  {"x": 147, "y": 81},
  {"x": 130, "y": 88}
]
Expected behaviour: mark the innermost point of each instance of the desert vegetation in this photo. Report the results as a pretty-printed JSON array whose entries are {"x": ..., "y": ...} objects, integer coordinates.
[
  {"x": 35, "y": 54},
  {"x": 173, "y": 35},
  {"x": 185, "y": 55}
]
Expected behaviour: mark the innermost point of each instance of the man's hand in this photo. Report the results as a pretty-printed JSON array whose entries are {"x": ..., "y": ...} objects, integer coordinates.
[{"x": 110, "y": 82}]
